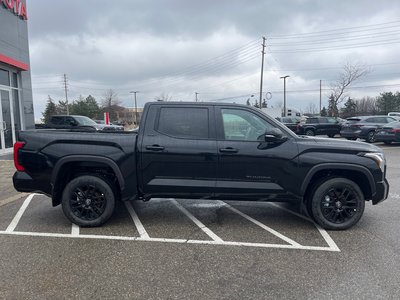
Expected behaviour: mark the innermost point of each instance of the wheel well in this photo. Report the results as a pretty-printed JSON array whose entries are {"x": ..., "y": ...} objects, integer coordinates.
[
  {"x": 358, "y": 177},
  {"x": 71, "y": 170}
]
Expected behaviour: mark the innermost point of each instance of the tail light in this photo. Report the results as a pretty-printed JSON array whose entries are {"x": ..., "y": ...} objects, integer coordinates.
[
  {"x": 396, "y": 130},
  {"x": 17, "y": 146}
]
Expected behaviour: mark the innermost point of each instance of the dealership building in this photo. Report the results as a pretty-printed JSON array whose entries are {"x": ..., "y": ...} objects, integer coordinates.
[{"x": 16, "y": 103}]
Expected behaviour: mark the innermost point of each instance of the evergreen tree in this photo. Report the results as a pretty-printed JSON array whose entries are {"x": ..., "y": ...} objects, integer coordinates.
[
  {"x": 49, "y": 111},
  {"x": 349, "y": 108},
  {"x": 323, "y": 112}
]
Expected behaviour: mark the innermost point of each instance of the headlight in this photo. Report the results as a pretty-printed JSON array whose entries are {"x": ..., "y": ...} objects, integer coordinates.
[{"x": 379, "y": 158}]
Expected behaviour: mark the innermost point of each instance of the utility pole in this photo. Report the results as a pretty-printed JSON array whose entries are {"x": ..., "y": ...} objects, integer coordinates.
[
  {"x": 66, "y": 91},
  {"x": 284, "y": 94},
  {"x": 320, "y": 96},
  {"x": 196, "y": 93},
  {"x": 262, "y": 69},
  {"x": 136, "y": 114}
]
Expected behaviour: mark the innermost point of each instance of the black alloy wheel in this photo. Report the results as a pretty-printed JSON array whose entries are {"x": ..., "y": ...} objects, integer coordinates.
[
  {"x": 88, "y": 201},
  {"x": 310, "y": 132},
  {"x": 370, "y": 137},
  {"x": 337, "y": 204}
]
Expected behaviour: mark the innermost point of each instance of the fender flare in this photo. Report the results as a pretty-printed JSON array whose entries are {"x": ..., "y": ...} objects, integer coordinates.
[
  {"x": 338, "y": 166},
  {"x": 87, "y": 158}
]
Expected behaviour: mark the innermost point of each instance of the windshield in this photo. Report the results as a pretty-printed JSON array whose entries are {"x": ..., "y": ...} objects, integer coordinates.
[{"x": 85, "y": 120}]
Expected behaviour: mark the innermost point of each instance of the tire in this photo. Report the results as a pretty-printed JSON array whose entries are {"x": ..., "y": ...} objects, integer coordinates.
[
  {"x": 331, "y": 135},
  {"x": 351, "y": 139},
  {"x": 388, "y": 142},
  {"x": 309, "y": 132},
  {"x": 88, "y": 201},
  {"x": 370, "y": 137},
  {"x": 336, "y": 204}
]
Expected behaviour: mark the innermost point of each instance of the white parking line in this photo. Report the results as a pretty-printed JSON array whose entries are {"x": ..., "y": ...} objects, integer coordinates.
[
  {"x": 263, "y": 226},
  {"x": 139, "y": 226},
  {"x": 75, "y": 230},
  {"x": 19, "y": 214},
  {"x": 146, "y": 238},
  {"x": 196, "y": 221},
  {"x": 161, "y": 240}
]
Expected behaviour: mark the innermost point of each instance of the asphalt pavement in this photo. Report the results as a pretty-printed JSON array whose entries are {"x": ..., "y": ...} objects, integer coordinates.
[{"x": 190, "y": 249}]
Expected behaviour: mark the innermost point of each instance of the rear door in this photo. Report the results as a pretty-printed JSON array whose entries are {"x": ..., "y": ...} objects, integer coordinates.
[
  {"x": 178, "y": 151},
  {"x": 248, "y": 166}
]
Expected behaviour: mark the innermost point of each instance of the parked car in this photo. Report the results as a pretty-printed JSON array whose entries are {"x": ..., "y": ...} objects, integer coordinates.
[
  {"x": 395, "y": 115},
  {"x": 364, "y": 127},
  {"x": 290, "y": 122},
  {"x": 389, "y": 133},
  {"x": 76, "y": 122},
  {"x": 200, "y": 151},
  {"x": 319, "y": 126}
]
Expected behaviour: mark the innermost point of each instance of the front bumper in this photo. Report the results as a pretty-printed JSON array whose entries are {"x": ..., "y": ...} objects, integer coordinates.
[{"x": 382, "y": 192}]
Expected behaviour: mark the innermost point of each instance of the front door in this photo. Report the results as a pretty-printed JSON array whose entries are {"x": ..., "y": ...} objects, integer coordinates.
[
  {"x": 7, "y": 129},
  {"x": 248, "y": 166}
]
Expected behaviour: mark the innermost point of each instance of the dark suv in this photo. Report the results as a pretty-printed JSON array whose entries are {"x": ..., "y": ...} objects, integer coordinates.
[
  {"x": 364, "y": 127},
  {"x": 72, "y": 121},
  {"x": 320, "y": 126}
]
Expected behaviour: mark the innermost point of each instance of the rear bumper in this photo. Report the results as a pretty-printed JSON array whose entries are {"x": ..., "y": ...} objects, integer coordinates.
[
  {"x": 382, "y": 191},
  {"x": 23, "y": 182}
]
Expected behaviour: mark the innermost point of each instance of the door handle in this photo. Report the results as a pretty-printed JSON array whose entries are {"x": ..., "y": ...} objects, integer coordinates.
[
  {"x": 155, "y": 148},
  {"x": 229, "y": 150}
]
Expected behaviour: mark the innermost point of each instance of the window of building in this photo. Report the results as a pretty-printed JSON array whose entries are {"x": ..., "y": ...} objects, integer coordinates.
[
  {"x": 4, "y": 77},
  {"x": 184, "y": 122}
]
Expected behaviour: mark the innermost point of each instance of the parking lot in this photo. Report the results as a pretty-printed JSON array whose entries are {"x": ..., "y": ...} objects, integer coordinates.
[{"x": 189, "y": 249}]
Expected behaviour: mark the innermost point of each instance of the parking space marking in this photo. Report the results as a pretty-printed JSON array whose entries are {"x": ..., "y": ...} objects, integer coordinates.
[
  {"x": 263, "y": 226},
  {"x": 139, "y": 226},
  {"x": 196, "y": 221},
  {"x": 75, "y": 230},
  {"x": 331, "y": 243},
  {"x": 19, "y": 214},
  {"x": 144, "y": 237}
]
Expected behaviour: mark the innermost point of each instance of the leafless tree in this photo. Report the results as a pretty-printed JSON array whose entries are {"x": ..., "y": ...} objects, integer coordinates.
[
  {"x": 163, "y": 97},
  {"x": 349, "y": 74},
  {"x": 110, "y": 99},
  {"x": 311, "y": 108}
]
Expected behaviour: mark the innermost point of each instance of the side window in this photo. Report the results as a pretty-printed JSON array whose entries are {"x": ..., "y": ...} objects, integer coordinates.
[
  {"x": 56, "y": 120},
  {"x": 242, "y": 125},
  {"x": 70, "y": 121},
  {"x": 371, "y": 120},
  {"x": 390, "y": 120},
  {"x": 323, "y": 120},
  {"x": 184, "y": 122},
  {"x": 311, "y": 121},
  {"x": 332, "y": 120}
]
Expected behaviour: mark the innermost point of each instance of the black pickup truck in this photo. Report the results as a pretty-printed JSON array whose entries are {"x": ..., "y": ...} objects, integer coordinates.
[{"x": 200, "y": 151}]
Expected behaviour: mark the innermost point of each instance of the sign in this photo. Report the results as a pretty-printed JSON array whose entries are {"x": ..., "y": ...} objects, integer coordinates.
[
  {"x": 17, "y": 7},
  {"x": 106, "y": 118}
]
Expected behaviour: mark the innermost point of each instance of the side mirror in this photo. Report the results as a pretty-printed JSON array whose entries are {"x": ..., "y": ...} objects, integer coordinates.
[{"x": 274, "y": 135}]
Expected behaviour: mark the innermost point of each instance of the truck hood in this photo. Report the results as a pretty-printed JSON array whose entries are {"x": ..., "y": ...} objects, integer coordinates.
[{"x": 339, "y": 144}]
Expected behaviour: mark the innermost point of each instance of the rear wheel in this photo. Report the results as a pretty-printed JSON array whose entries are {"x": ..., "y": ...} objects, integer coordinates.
[
  {"x": 370, "y": 137},
  {"x": 337, "y": 204},
  {"x": 88, "y": 201},
  {"x": 310, "y": 132}
]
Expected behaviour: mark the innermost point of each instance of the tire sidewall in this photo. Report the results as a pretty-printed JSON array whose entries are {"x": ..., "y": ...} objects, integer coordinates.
[
  {"x": 309, "y": 131},
  {"x": 100, "y": 184},
  {"x": 319, "y": 193},
  {"x": 370, "y": 137}
]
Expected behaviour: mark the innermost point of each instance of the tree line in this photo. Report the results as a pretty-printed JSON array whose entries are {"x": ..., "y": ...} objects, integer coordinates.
[{"x": 85, "y": 106}]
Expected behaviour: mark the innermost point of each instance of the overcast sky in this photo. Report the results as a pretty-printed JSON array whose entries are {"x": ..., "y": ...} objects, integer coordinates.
[{"x": 177, "y": 48}]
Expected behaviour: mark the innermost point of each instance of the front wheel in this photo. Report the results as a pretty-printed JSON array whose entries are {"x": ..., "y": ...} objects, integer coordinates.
[
  {"x": 370, "y": 137},
  {"x": 88, "y": 201},
  {"x": 337, "y": 204}
]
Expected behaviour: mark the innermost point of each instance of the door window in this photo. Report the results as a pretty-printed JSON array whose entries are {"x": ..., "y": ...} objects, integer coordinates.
[
  {"x": 242, "y": 125},
  {"x": 184, "y": 122}
]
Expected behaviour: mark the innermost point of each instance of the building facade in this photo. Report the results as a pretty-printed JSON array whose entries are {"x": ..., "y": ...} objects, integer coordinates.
[{"x": 16, "y": 103}]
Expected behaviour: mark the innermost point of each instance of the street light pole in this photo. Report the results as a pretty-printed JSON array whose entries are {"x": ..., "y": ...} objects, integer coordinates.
[
  {"x": 136, "y": 115},
  {"x": 284, "y": 94},
  {"x": 196, "y": 93}
]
